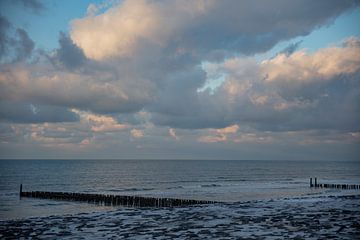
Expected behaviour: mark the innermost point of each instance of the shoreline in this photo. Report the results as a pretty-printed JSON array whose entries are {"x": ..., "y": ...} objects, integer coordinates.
[{"x": 310, "y": 217}]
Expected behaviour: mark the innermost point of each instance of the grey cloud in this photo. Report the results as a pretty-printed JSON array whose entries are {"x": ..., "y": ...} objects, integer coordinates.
[
  {"x": 4, "y": 26},
  {"x": 337, "y": 108},
  {"x": 7, "y": 134},
  {"x": 252, "y": 27},
  {"x": 291, "y": 105},
  {"x": 94, "y": 88},
  {"x": 98, "y": 100},
  {"x": 352, "y": 42},
  {"x": 64, "y": 134},
  {"x": 34, "y": 6},
  {"x": 15, "y": 46},
  {"x": 207, "y": 29},
  {"x": 68, "y": 55},
  {"x": 291, "y": 48},
  {"x": 129, "y": 118},
  {"x": 179, "y": 89},
  {"x": 19, "y": 112},
  {"x": 24, "y": 45}
]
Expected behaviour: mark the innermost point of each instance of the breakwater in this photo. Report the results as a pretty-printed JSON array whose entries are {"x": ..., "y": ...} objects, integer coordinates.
[
  {"x": 332, "y": 185},
  {"x": 113, "y": 200}
]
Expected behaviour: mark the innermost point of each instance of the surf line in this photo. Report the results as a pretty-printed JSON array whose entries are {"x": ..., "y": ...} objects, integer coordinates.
[
  {"x": 114, "y": 200},
  {"x": 330, "y": 185}
]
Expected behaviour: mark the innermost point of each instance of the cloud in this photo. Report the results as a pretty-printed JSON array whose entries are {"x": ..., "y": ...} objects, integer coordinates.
[
  {"x": 291, "y": 48},
  {"x": 212, "y": 139},
  {"x": 300, "y": 91},
  {"x": 136, "y": 133},
  {"x": 100, "y": 123},
  {"x": 221, "y": 135},
  {"x": 253, "y": 138},
  {"x": 121, "y": 30},
  {"x": 90, "y": 130},
  {"x": 230, "y": 129},
  {"x": 15, "y": 44},
  {"x": 172, "y": 134},
  {"x": 34, "y": 6},
  {"x": 68, "y": 55},
  {"x": 24, "y": 45},
  {"x": 97, "y": 91},
  {"x": 20, "y": 112},
  {"x": 161, "y": 69},
  {"x": 296, "y": 90},
  {"x": 46, "y": 134},
  {"x": 319, "y": 66},
  {"x": 4, "y": 26},
  {"x": 200, "y": 27},
  {"x": 94, "y": 9}
]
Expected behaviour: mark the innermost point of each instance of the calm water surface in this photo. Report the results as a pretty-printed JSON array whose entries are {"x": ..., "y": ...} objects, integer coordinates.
[{"x": 209, "y": 180}]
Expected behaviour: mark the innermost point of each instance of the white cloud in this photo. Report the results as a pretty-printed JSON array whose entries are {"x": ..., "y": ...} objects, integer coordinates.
[
  {"x": 136, "y": 133},
  {"x": 326, "y": 99},
  {"x": 259, "y": 99},
  {"x": 92, "y": 130},
  {"x": 227, "y": 130},
  {"x": 306, "y": 67},
  {"x": 213, "y": 139},
  {"x": 252, "y": 138},
  {"x": 203, "y": 27},
  {"x": 54, "y": 134},
  {"x": 100, "y": 91},
  {"x": 219, "y": 135},
  {"x": 172, "y": 133},
  {"x": 120, "y": 30},
  {"x": 100, "y": 123}
]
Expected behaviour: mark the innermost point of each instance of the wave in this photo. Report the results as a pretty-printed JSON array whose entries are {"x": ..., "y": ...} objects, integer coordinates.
[
  {"x": 50, "y": 204},
  {"x": 130, "y": 189},
  {"x": 175, "y": 187},
  {"x": 211, "y": 185},
  {"x": 223, "y": 179}
]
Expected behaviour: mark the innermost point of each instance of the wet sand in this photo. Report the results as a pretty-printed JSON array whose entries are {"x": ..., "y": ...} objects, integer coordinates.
[{"x": 331, "y": 217}]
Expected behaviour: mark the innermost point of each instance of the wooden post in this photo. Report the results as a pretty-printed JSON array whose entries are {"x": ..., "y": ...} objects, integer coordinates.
[
  {"x": 20, "y": 190},
  {"x": 311, "y": 185},
  {"x": 315, "y": 182}
]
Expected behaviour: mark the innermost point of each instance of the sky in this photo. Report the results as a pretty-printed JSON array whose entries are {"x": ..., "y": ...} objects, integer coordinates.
[{"x": 180, "y": 79}]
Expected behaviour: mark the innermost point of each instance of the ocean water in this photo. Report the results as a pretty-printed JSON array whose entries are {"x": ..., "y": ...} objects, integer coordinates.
[{"x": 227, "y": 181}]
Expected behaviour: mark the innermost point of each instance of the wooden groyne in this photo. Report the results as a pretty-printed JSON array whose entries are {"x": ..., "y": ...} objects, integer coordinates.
[
  {"x": 114, "y": 200},
  {"x": 330, "y": 185}
]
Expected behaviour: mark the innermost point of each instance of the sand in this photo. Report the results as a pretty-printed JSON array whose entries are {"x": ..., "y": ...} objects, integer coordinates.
[{"x": 324, "y": 217}]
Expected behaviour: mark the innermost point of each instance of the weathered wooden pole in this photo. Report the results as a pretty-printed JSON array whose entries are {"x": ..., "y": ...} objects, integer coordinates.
[
  {"x": 315, "y": 182},
  {"x": 311, "y": 185},
  {"x": 20, "y": 190}
]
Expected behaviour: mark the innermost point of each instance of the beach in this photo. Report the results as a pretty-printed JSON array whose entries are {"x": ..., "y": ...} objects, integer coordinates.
[{"x": 309, "y": 217}]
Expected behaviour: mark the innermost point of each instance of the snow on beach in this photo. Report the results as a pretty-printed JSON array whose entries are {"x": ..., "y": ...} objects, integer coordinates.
[{"x": 312, "y": 217}]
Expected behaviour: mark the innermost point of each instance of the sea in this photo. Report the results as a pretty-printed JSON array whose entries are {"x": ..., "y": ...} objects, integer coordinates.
[{"x": 217, "y": 180}]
